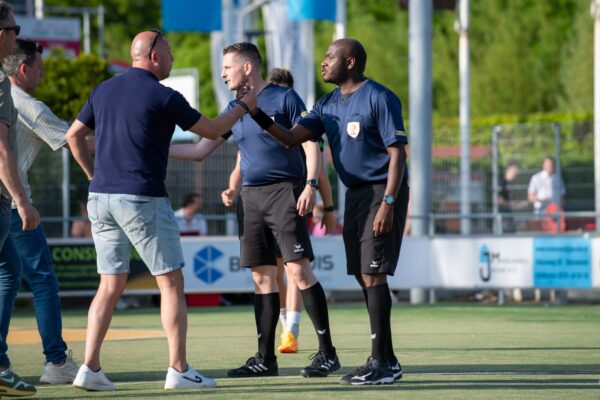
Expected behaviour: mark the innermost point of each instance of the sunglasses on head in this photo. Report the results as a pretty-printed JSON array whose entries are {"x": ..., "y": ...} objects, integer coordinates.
[
  {"x": 158, "y": 34},
  {"x": 15, "y": 28}
]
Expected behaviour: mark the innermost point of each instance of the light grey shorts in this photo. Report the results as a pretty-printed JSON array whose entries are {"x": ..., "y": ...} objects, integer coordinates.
[{"x": 148, "y": 223}]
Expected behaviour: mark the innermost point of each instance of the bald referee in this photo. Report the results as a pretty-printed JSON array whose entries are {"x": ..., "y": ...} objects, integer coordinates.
[{"x": 363, "y": 122}]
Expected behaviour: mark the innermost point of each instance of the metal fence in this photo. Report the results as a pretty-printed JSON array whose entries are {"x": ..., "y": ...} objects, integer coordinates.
[{"x": 491, "y": 150}]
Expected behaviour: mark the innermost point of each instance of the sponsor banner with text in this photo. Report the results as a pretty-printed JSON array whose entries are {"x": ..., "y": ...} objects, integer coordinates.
[{"x": 213, "y": 264}]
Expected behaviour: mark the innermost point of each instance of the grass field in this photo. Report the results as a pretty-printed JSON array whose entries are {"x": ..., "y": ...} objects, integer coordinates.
[{"x": 447, "y": 352}]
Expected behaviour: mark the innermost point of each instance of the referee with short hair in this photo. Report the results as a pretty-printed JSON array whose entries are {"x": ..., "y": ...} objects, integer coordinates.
[
  {"x": 276, "y": 196},
  {"x": 363, "y": 122}
]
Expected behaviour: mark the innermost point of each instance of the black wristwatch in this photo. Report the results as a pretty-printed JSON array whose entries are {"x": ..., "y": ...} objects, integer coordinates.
[
  {"x": 313, "y": 183},
  {"x": 389, "y": 199}
]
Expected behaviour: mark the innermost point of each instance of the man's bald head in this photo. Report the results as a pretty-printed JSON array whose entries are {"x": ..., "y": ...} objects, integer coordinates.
[
  {"x": 140, "y": 46},
  {"x": 150, "y": 51},
  {"x": 353, "y": 48}
]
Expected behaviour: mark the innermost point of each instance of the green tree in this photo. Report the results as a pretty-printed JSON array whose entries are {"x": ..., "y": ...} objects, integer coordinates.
[
  {"x": 68, "y": 82},
  {"x": 577, "y": 65}
]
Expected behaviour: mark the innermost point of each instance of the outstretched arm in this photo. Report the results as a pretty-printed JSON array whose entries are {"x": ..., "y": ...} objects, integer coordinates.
[
  {"x": 195, "y": 151},
  {"x": 216, "y": 127}
]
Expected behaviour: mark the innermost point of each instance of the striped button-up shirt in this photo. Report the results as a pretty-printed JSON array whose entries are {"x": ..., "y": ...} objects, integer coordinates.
[{"x": 36, "y": 125}]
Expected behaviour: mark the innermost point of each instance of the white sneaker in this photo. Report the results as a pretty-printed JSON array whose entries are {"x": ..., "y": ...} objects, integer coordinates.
[
  {"x": 190, "y": 379},
  {"x": 89, "y": 380},
  {"x": 59, "y": 374}
]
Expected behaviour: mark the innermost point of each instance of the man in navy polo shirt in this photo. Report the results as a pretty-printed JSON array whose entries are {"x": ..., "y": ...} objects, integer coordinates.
[
  {"x": 134, "y": 117},
  {"x": 276, "y": 196},
  {"x": 363, "y": 122}
]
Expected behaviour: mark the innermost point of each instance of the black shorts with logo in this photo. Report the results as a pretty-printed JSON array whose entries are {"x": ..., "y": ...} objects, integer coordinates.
[
  {"x": 365, "y": 253},
  {"x": 268, "y": 218}
]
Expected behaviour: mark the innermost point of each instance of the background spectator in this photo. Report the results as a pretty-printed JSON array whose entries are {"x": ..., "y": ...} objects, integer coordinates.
[
  {"x": 82, "y": 228},
  {"x": 191, "y": 222}
]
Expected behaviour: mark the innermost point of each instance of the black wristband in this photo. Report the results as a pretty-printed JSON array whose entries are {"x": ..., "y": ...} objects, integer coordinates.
[
  {"x": 262, "y": 119},
  {"x": 244, "y": 105},
  {"x": 328, "y": 209}
]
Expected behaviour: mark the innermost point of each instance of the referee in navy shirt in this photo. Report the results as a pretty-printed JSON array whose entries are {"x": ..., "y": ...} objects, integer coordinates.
[
  {"x": 276, "y": 196},
  {"x": 363, "y": 122}
]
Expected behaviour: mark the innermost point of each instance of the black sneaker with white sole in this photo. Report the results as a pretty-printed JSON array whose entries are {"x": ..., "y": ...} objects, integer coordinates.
[
  {"x": 396, "y": 369},
  {"x": 255, "y": 367},
  {"x": 374, "y": 372},
  {"x": 322, "y": 364}
]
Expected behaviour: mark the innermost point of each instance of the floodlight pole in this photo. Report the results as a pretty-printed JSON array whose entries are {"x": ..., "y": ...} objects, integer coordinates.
[
  {"x": 595, "y": 11},
  {"x": 340, "y": 19},
  {"x": 462, "y": 27},
  {"x": 420, "y": 110}
]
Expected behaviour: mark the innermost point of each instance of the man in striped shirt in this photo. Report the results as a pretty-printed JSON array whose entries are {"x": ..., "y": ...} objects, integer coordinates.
[{"x": 36, "y": 126}]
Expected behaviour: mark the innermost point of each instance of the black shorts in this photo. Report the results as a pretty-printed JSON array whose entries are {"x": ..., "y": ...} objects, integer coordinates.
[
  {"x": 267, "y": 219},
  {"x": 365, "y": 253}
]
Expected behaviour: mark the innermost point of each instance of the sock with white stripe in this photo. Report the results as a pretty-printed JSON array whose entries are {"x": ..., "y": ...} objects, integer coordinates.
[
  {"x": 380, "y": 307},
  {"x": 293, "y": 323},
  {"x": 315, "y": 303},
  {"x": 266, "y": 308}
]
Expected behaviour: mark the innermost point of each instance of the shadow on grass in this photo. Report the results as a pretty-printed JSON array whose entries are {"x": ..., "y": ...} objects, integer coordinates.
[
  {"x": 270, "y": 389},
  {"x": 474, "y": 369}
]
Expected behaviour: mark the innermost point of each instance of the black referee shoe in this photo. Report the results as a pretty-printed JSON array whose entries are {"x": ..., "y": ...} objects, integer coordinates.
[
  {"x": 322, "y": 364},
  {"x": 374, "y": 372},
  {"x": 255, "y": 366},
  {"x": 396, "y": 369}
]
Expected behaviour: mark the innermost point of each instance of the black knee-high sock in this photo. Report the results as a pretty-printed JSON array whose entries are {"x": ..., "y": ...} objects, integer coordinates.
[
  {"x": 380, "y": 307},
  {"x": 390, "y": 346},
  {"x": 316, "y": 308},
  {"x": 266, "y": 314}
]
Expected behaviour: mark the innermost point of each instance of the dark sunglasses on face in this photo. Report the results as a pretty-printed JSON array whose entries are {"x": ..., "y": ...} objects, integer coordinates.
[
  {"x": 158, "y": 34},
  {"x": 15, "y": 28}
]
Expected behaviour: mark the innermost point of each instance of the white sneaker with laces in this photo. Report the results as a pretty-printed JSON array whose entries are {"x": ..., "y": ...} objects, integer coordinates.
[
  {"x": 59, "y": 374},
  {"x": 89, "y": 380},
  {"x": 190, "y": 379}
]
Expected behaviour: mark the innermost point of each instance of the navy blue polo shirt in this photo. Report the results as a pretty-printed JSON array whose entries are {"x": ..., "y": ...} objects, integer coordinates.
[
  {"x": 359, "y": 128},
  {"x": 263, "y": 159},
  {"x": 134, "y": 117}
]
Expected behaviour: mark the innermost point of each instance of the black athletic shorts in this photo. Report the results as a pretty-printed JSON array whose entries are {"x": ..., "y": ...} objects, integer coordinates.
[
  {"x": 365, "y": 253},
  {"x": 268, "y": 218}
]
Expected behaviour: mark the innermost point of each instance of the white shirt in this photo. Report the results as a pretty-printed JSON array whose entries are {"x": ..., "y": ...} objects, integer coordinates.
[
  {"x": 546, "y": 188},
  {"x": 37, "y": 125},
  {"x": 192, "y": 225}
]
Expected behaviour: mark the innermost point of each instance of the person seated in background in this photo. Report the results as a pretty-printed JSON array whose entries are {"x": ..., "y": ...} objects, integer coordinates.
[
  {"x": 191, "y": 223},
  {"x": 82, "y": 228}
]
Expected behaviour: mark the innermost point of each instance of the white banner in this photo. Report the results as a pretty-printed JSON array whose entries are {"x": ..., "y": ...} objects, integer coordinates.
[
  {"x": 485, "y": 262},
  {"x": 212, "y": 263}
]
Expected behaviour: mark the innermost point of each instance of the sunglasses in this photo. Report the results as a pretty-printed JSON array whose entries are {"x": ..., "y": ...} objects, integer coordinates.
[
  {"x": 158, "y": 34},
  {"x": 15, "y": 28}
]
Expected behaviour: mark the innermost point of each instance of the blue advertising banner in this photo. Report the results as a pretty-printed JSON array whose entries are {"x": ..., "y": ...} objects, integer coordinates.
[
  {"x": 562, "y": 263},
  {"x": 191, "y": 16},
  {"x": 311, "y": 9}
]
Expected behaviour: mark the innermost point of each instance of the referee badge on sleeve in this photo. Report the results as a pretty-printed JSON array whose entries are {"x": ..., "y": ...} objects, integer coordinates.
[{"x": 353, "y": 129}]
